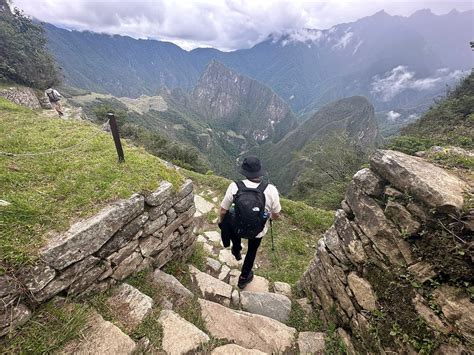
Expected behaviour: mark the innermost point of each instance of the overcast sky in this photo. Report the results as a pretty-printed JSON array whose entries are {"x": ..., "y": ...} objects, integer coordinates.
[{"x": 223, "y": 24}]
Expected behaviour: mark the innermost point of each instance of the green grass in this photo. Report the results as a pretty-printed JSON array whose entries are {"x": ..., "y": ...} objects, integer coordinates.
[
  {"x": 49, "y": 192},
  {"x": 51, "y": 327},
  {"x": 311, "y": 220},
  {"x": 302, "y": 322}
]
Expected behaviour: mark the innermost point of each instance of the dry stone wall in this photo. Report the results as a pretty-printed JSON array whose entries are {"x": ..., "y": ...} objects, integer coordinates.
[
  {"x": 21, "y": 96},
  {"x": 128, "y": 236},
  {"x": 396, "y": 267}
]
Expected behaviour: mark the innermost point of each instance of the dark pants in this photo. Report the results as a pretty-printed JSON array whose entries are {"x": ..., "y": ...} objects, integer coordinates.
[{"x": 251, "y": 252}]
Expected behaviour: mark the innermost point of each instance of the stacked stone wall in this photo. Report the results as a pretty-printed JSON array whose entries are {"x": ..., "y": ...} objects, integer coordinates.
[
  {"x": 144, "y": 231},
  {"x": 395, "y": 269},
  {"x": 21, "y": 96}
]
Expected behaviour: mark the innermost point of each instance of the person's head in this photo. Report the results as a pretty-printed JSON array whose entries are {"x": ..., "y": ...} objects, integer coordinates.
[{"x": 252, "y": 168}]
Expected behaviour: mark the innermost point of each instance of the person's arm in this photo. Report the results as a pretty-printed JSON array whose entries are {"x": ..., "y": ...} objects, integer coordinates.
[
  {"x": 275, "y": 213},
  {"x": 222, "y": 214},
  {"x": 226, "y": 202}
]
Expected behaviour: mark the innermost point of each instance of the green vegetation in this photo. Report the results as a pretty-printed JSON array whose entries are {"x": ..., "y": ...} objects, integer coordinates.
[
  {"x": 450, "y": 122},
  {"x": 303, "y": 322},
  {"x": 53, "y": 325},
  {"x": 330, "y": 165},
  {"x": 311, "y": 220},
  {"x": 24, "y": 58},
  {"x": 49, "y": 192}
]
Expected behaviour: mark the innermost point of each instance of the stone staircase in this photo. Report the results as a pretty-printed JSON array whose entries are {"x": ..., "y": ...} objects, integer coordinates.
[{"x": 249, "y": 321}]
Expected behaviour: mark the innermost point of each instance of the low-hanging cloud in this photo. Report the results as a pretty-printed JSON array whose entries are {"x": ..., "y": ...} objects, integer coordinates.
[
  {"x": 226, "y": 24},
  {"x": 392, "y": 116},
  {"x": 401, "y": 78}
]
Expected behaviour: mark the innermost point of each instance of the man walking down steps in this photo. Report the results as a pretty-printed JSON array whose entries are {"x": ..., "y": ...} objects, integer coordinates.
[{"x": 245, "y": 210}]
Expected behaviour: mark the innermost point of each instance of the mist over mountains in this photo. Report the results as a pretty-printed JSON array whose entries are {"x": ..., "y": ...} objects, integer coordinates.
[{"x": 396, "y": 62}]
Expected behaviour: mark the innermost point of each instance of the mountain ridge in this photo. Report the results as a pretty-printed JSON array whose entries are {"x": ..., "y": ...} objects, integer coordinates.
[{"x": 312, "y": 70}]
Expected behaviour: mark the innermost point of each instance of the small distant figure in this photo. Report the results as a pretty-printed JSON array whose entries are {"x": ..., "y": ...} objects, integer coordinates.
[{"x": 54, "y": 98}]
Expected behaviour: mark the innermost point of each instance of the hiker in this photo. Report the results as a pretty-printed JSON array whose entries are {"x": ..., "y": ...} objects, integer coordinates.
[
  {"x": 245, "y": 210},
  {"x": 54, "y": 97}
]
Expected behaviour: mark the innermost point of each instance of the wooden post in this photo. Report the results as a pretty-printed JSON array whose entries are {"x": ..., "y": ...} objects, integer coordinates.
[{"x": 116, "y": 135}]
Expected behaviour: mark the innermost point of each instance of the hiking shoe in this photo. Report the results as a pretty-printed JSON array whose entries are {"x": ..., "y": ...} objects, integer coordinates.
[
  {"x": 244, "y": 281},
  {"x": 237, "y": 255}
]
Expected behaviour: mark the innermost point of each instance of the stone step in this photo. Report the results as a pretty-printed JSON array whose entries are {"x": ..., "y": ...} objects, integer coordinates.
[
  {"x": 210, "y": 287},
  {"x": 233, "y": 349},
  {"x": 179, "y": 335},
  {"x": 202, "y": 206},
  {"x": 251, "y": 331},
  {"x": 130, "y": 306},
  {"x": 171, "y": 285},
  {"x": 226, "y": 257},
  {"x": 268, "y": 304},
  {"x": 258, "y": 284},
  {"x": 100, "y": 337}
]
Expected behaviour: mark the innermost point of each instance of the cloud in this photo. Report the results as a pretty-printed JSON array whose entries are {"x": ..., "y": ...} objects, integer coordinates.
[
  {"x": 226, "y": 24},
  {"x": 344, "y": 41},
  {"x": 401, "y": 78},
  {"x": 392, "y": 116}
]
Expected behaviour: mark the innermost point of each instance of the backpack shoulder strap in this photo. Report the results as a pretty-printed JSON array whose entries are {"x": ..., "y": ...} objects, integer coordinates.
[
  {"x": 262, "y": 187},
  {"x": 240, "y": 185}
]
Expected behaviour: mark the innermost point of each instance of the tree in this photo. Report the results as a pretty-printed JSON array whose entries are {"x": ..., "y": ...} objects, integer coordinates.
[
  {"x": 329, "y": 167},
  {"x": 24, "y": 58}
]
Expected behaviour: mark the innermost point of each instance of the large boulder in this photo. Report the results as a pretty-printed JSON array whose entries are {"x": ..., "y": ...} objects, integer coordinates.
[
  {"x": 272, "y": 305},
  {"x": 432, "y": 185},
  {"x": 180, "y": 336},
  {"x": 246, "y": 329}
]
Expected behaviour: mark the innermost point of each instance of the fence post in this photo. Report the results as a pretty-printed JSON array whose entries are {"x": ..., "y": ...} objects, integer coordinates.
[{"x": 116, "y": 135}]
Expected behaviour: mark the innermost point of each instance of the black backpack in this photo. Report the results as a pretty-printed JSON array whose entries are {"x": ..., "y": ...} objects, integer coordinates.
[
  {"x": 52, "y": 96},
  {"x": 249, "y": 210}
]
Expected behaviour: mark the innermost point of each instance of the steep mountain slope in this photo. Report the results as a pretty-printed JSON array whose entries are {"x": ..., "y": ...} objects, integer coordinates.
[
  {"x": 246, "y": 106},
  {"x": 397, "y": 62},
  {"x": 119, "y": 65},
  {"x": 451, "y": 121},
  {"x": 353, "y": 117}
]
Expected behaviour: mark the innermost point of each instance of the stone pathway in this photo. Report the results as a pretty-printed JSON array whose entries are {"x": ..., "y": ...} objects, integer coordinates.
[{"x": 252, "y": 320}]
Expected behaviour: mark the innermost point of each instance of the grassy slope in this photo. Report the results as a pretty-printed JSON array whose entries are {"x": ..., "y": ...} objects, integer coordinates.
[
  {"x": 49, "y": 192},
  {"x": 450, "y": 122}
]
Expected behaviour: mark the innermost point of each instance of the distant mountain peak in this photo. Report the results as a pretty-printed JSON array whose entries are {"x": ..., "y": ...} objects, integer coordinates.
[
  {"x": 422, "y": 13},
  {"x": 241, "y": 103}
]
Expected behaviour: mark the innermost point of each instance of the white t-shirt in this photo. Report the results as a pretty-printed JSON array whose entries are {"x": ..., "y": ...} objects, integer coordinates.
[{"x": 272, "y": 199}]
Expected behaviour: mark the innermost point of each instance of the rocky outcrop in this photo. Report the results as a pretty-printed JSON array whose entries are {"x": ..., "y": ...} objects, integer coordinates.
[
  {"x": 401, "y": 222},
  {"x": 142, "y": 232},
  {"x": 22, "y": 96}
]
